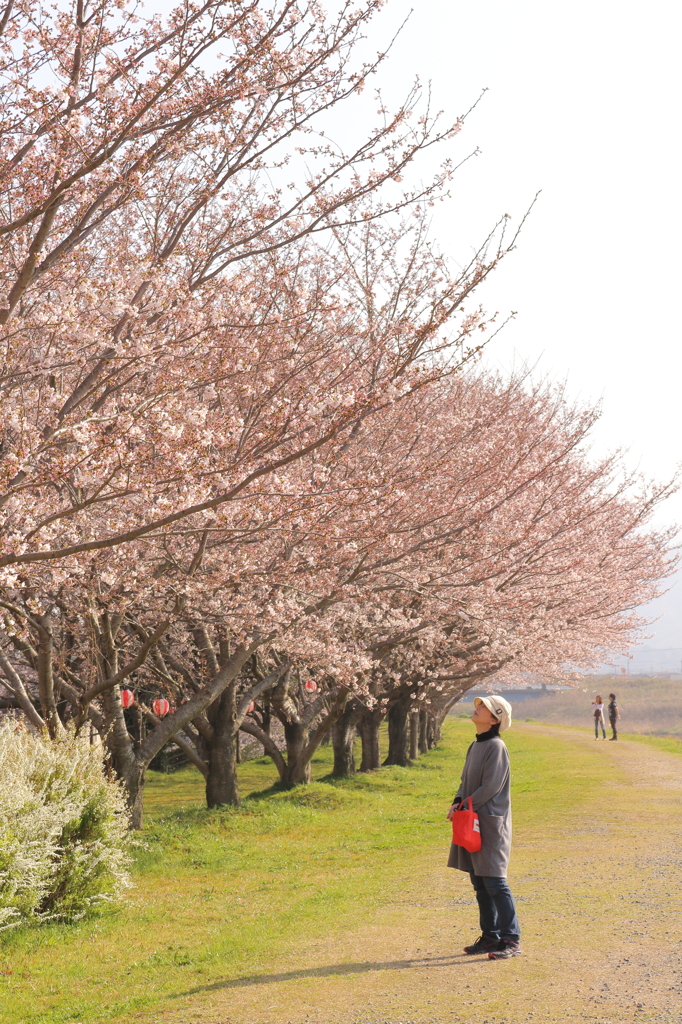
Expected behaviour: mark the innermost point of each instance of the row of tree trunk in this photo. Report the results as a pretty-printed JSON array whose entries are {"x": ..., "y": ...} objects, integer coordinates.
[
  {"x": 411, "y": 732},
  {"x": 409, "y": 735},
  {"x": 214, "y": 746}
]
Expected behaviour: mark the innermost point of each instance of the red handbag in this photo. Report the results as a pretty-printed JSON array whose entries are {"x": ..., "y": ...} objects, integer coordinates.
[{"x": 466, "y": 830}]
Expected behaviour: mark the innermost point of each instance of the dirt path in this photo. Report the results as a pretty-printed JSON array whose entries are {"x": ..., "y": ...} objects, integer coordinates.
[
  {"x": 637, "y": 759},
  {"x": 599, "y": 900}
]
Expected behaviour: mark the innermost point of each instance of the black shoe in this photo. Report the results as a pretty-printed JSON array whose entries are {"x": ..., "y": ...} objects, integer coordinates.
[
  {"x": 482, "y": 945},
  {"x": 505, "y": 949}
]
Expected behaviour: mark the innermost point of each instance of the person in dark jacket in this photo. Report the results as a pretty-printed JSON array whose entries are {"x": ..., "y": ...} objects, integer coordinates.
[
  {"x": 614, "y": 715},
  {"x": 486, "y": 779}
]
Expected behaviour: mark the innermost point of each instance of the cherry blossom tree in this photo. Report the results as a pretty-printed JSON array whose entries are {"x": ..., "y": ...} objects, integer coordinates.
[
  {"x": 238, "y": 451},
  {"x": 303, "y": 375}
]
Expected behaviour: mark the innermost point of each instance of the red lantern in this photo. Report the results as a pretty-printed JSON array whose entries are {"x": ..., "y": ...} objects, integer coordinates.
[
  {"x": 127, "y": 698},
  {"x": 311, "y": 686},
  {"x": 251, "y": 707},
  {"x": 161, "y": 707}
]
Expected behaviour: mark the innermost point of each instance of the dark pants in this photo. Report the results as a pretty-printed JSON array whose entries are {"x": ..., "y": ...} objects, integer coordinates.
[
  {"x": 496, "y": 908},
  {"x": 612, "y": 723}
]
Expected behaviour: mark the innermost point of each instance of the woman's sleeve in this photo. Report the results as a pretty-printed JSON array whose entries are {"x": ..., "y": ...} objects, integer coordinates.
[{"x": 494, "y": 775}]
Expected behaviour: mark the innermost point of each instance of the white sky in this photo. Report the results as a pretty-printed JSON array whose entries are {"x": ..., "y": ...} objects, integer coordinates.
[{"x": 583, "y": 103}]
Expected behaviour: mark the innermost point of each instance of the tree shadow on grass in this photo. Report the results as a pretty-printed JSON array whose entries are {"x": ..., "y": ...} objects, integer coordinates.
[{"x": 333, "y": 970}]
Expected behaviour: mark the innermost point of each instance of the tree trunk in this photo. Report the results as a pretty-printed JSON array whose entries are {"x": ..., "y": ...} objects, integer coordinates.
[
  {"x": 267, "y": 715},
  {"x": 430, "y": 732},
  {"x": 369, "y": 734},
  {"x": 134, "y": 784},
  {"x": 414, "y": 736},
  {"x": 296, "y": 736},
  {"x": 221, "y": 782},
  {"x": 343, "y": 738},
  {"x": 300, "y": 743},
  {"x": 398, "y": 733},
  {"x": 438, "y": 719},
  {"x": 48, "y": 702},
  {"x": 130, "y": 763},
  {"x": 423, "y": 725},
  {"x": 121, "y": 755}
]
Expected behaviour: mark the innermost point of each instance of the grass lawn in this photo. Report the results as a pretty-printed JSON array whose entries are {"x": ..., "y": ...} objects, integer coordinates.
[
  {"x": 229, "y": 904},
  {"x": 671, "y": 744}
]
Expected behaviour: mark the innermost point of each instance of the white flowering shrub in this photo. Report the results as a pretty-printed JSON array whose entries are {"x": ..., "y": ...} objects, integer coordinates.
[{"x": 63, "y": 829}]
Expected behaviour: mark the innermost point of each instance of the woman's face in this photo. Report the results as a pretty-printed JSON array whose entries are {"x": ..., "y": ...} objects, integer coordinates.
[{"x": 483, "y": 716}]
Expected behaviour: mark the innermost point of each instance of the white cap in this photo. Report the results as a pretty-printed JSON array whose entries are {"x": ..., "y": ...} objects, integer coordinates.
[{"x": 499, "y": 707}]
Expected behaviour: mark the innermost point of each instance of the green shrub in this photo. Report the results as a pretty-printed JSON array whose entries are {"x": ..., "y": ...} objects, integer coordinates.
[{"x": 63, "y": 829}]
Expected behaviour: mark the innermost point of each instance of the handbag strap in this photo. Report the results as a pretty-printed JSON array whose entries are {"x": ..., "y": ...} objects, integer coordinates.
[{"x": 463, "y": 804}]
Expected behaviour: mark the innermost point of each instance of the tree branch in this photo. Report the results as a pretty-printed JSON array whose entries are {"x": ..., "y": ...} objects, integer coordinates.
[
  {"x": 185, "y": 746},
  {"x": 14, "y": 682},
  {"x": 124, "y": 672},
  {"x": 269, "y": 746}
]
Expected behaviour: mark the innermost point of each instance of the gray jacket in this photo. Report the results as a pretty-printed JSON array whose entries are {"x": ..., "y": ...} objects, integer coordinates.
[{"x": 485, "y": 777}]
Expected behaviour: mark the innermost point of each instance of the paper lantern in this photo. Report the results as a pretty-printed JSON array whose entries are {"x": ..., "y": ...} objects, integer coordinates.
[
  {"x": 127, "y": 698},
  {"x": 311, "y": 686},
  {"x": 161, "y": 707}
]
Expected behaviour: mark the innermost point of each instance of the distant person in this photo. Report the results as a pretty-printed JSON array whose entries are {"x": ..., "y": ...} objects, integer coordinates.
[
  {"x": 598, "y": 705},
  {"x": 485, "y": 778},
  {"x": 614, "y": 715}
]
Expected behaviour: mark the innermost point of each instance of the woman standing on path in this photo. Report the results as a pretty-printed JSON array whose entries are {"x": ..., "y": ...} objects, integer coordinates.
[
  {"x": 598, "y": 705},
  {"x": 485, "y": 779}
]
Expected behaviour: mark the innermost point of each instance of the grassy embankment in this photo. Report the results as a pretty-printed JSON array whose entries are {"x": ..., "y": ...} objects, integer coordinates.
[{"x": 334, "y": 898}]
